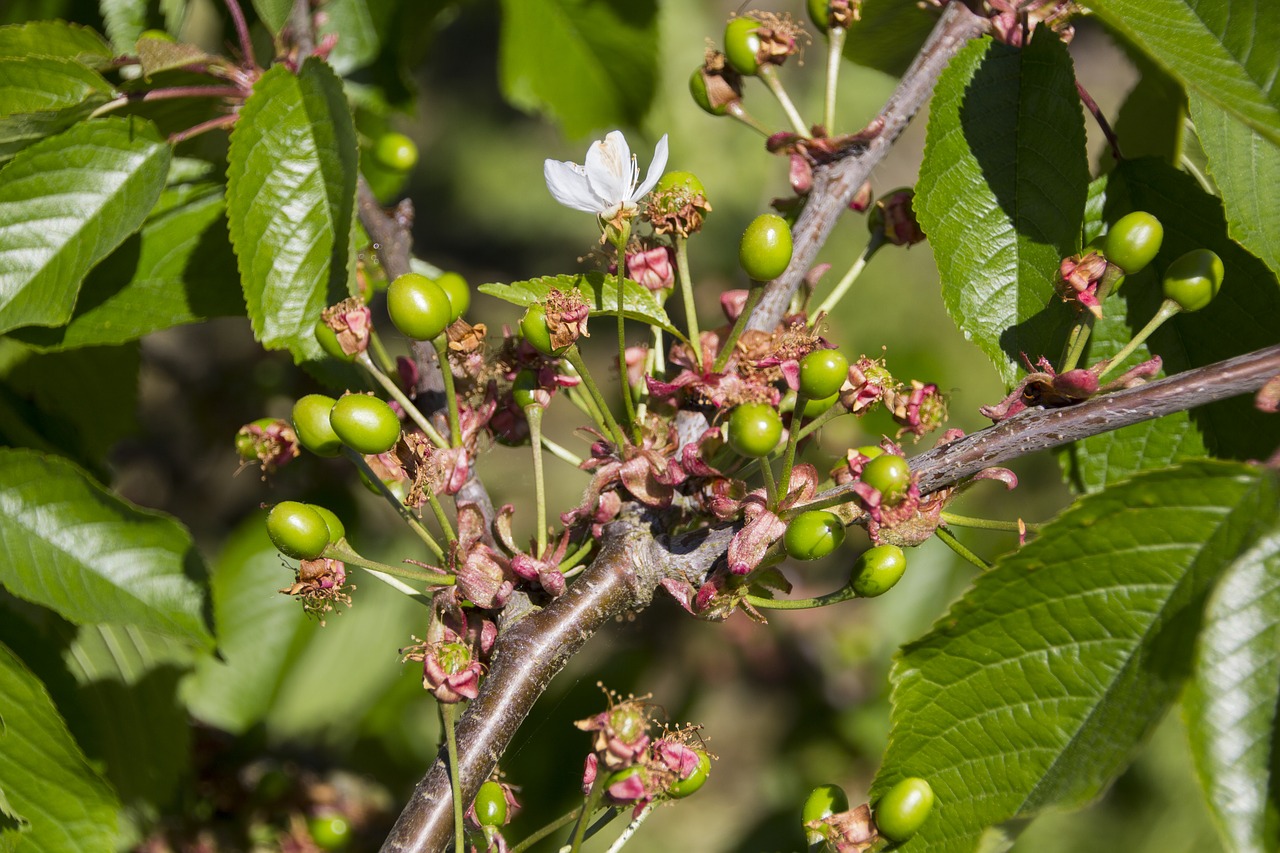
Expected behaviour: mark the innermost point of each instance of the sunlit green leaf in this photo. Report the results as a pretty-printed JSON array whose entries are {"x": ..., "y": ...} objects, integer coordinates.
[
  {"x": 1002, "y": 192},
  {"x": 41, "y": 95},
  {"x": 68, "y": 544},
  {"x": 1245, "y": 166},
  {"x": 1038, "y": 685},
  {"x": 591, "y": 65},
  {"x": 291, "y": 181},
  {"x": 55, "y": 38},
  {"x": 45, "y": 778},
  {"x": 85, "y": 425},
  {"x": 599, "y": 290},
  {"x": 178, "y": 269},
  {"x": 65, "y": 204},
  {"x": 1231, "y": 702},
  {"x": 1225, "y": 49}
]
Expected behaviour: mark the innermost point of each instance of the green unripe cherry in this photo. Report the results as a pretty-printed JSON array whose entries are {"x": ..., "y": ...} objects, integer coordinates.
[
  {"x": 491, "y": 804},
  {"x": 820, "y": 13},
  {"x": 890, "y": 475},
  {"x": 330, "y": 832},
  {"x": 823, "y": 801},
  {"x": 682, "y": 788},
  {"x": 742, "y": 45},
  {"x": 812, "y": 535},
  {"x": 533, "y": 328},
  {"x": 1194, "y": 279},
  {"x": 311, "y": 424},
  {"x": 418, "y": 306},
  {"x": 754, "y": 429},
  {"x": 822, "y": 372},
  {"x": 328, "y": 340},
  {"x": 686, "y": 181},
  {"x": 522, "y": 389},
  {"x": 396, "y": 152},
  {"x": 903, "y": 809},
  {"x": 765, "y": 249},
  {"x": 1133, "y": 241},
  {"x": 455, "y": 287},
  {"x": 878, "y": 570},
  {"x": 297, "y": 530},
  {"x": 337, "y": 529},
  {"x": 365, "y": 424},
  {"x": 813, "y": 408}
]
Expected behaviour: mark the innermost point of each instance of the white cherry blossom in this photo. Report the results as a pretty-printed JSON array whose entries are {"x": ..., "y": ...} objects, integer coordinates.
[{"x": 606, "y": 184}]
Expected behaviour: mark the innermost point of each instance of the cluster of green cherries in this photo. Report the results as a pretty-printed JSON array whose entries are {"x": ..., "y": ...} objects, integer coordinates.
[
  {"x": 1190, "y": 282},
  {"x": 898, "y": 814},
  {"x": 754, "y": 431}
]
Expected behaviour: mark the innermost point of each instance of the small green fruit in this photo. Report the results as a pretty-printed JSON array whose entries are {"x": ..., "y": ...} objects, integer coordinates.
[
  {"x": 765, "y": 249},
  {"x": 878, "y": 570},
  {"x": 1133, "y": 241},
  {"x": 297, "y": 530},
  {"x": 742, "y": 45},
  {"x": 1194, "y": 279},
  {"x": 903, "y": 810},
  {"x": 754, "y": 429},
  {"x": 365, "y": 424},
  {"x": 813, "y": 535}
]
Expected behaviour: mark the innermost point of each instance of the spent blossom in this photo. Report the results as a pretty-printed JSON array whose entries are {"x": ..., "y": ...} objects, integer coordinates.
[{"x": 607, "y": 184}]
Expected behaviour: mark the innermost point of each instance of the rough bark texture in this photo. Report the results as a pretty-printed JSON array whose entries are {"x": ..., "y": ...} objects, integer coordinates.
[{"x": 636, "y": 556}]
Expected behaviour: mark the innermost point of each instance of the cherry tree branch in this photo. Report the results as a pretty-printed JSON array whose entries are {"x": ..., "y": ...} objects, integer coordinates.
[
  {"x": 835, "y": 183},
  {"x": 635, "y": 559}
]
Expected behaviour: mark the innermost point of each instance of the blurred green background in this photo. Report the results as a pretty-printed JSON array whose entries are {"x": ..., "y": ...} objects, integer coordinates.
[{"x": 786, "y": 706}]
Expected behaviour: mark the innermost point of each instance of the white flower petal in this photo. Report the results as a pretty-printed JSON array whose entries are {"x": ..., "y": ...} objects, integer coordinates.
[
  {"x": 569, "y": 186},
  {"x": 609, "y": 168},
  {"x": 655, "y": 169}
]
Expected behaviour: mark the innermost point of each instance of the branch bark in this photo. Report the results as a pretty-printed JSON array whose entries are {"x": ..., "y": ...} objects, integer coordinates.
[
  {"x": 834, "y": 184},
  {"x": 634, "y": 560}
]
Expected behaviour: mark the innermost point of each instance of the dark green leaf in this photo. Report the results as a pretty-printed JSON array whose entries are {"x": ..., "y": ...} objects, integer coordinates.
[
  {"x": 1240, "y": 319},
  {"x": 1226, "y": 50},
  {"x": 1037, "y": 687},
  {"x": 291, "y": 183},
  {"x": 42, "y": 95},
  {"x": 65, "y": 204},
  {"x": 359, "y": 25},
  {"x": 178, "y": 269},
  {"x": 138, "y": 729},
  {"x": 256, "y": 629},
  {"x": 888, "y": 35},
  {"x": 68, "y": 544},
  {"x": 591, "y": 65},
  {"x": 84, "y": 425},
  {"x": 599, "y": 290},
  {"x": 43, "y": 773},
  {"x": 273, "y": 13},
  {"x": 55, "y": 38},
  {"x": 1151, "y": 120},
  {"x": 1002, "y": 193},
  {"x": 1231, "y": 703},
  {"x": 1246, "y": 168}
]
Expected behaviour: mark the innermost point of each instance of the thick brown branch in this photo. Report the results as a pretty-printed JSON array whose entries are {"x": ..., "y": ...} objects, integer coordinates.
[{"x": 633, "y": 562}]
